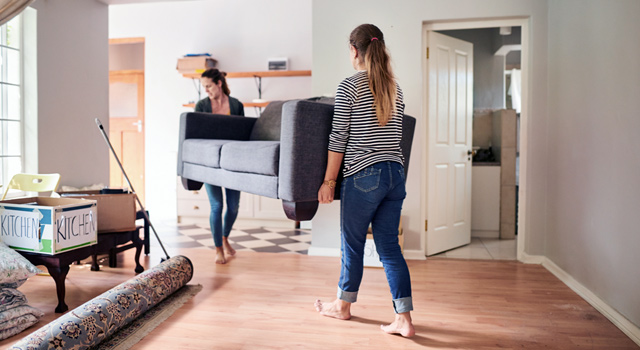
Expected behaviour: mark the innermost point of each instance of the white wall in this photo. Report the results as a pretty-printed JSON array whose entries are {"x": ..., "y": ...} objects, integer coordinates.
[
  {"x": 240, "y": 35},
  {"x": 402, "y": 25},
  {"x": 73, "y": 89},
  {"x": 594, "y": 196}
]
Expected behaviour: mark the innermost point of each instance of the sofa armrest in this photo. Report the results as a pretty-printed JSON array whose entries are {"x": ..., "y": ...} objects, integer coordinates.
[
  {"x": 304, "y": 144},
  {"x": 195, "y": 125},
  {"x": 408, "y": 129}
]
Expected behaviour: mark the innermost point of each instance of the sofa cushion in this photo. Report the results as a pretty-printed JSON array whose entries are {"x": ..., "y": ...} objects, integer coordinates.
[
  {"x": 256, "y": 157},
  {"x": 267, "y": 127},
  {"x": 202, "y": 151}
]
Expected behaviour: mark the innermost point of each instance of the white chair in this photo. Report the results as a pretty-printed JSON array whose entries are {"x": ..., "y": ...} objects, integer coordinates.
[{"x": 33, "y": 183}]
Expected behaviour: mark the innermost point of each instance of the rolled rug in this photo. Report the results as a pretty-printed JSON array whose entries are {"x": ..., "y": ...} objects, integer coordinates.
[{"x": 96, "y": 320}]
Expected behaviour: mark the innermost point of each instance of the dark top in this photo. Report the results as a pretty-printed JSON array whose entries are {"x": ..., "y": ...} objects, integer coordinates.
[{"x": 235, "y": 106}]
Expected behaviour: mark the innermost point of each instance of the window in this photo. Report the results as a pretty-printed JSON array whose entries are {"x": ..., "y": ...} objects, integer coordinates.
[{"x": 11, "y": 92}]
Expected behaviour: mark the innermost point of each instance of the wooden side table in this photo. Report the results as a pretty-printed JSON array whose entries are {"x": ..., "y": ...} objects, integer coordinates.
[
  {"x": 112, "y": 243},
  {"x": 58, "y": 267},
  {"x": 140, "y": 215}
]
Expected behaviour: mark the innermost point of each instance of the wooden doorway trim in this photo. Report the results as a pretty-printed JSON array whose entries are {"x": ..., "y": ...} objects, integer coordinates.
[
  {"x": 524, "y": 23},
  {"x": 136, "y": 40}
]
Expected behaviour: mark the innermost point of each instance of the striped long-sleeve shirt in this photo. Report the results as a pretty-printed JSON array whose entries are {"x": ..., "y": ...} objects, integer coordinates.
[{"x": 356, "y": 131}]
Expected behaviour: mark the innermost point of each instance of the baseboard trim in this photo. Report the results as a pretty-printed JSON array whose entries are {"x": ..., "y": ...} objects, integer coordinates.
[
  {"x": 414, "y": 254},
  {"x": 316, "y": 251},
  {"x": 531, "y": 259},
  {"x": 485, "y": 234},
  {"x": 626, "y": 326}
]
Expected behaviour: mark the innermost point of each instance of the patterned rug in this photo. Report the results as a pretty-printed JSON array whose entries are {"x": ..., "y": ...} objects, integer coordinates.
[{"x": 147, "y": 322}]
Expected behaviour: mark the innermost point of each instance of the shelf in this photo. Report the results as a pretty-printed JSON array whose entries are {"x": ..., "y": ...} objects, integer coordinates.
[
  {"x": 264, "y": 74},
  {"x": 256, "y": 75},
  {"x": 255, "y": 104},
  {"x": 246, "y": 104}
]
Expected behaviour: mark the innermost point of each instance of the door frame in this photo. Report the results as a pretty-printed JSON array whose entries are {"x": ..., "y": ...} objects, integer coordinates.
[
  {"x": 453, "y": 24},
  {"x": 140, "y": 77}
]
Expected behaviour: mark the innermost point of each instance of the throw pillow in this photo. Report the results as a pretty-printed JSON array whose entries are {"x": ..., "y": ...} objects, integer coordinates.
[{"x": 14, "y": 267}]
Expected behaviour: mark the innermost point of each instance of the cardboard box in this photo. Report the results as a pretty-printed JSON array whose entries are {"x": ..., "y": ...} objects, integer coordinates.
[
  {"x": 117, "y": 211},
  {"x": 48, "y": 225},
  {"x": 371, "y": 256},
  {"x": 196, "y": 63}
]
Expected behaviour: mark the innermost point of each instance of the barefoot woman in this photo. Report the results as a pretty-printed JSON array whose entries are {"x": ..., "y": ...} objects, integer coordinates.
[
  {"x": 366, "y": 133},
  {"x": 219, "y": 102}
]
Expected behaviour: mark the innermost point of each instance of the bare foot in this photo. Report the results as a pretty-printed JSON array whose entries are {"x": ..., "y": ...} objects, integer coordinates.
[
  {"x": 227, "y": 246},
  {"x": 220, "y": 259},
  {"x": 402, "y": 325},
  {"x": 337, "y": 309}
]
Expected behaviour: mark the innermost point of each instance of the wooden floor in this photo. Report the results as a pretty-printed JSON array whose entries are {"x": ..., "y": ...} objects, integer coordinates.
[{"x": 265, "y": 301}]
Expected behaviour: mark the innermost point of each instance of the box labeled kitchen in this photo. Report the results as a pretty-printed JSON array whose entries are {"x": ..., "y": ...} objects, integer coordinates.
[{"x": 48, "y": 225}]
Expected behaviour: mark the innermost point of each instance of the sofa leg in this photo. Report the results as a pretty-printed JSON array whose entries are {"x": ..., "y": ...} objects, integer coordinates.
[
  {"x": 300, "y": 211},
  {"x": 191, "y": 185}
]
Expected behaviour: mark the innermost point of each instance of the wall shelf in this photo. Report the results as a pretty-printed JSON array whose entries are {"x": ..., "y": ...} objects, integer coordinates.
[
  {"x": 263, "y": 74},
  {"x": 258, "y": 76},
  {"x": 246, "y": 104}
]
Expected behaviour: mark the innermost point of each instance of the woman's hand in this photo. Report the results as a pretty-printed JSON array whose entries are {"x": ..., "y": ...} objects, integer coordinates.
[
  {"x": 325, "y": 194},
  {"x": 327, "y": 189}
]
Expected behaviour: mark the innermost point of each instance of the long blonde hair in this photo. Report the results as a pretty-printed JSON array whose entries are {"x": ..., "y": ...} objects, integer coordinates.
[{"x": 369, "y": 42}]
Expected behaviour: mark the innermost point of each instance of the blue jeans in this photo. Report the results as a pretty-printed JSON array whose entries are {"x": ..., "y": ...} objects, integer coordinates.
[
  {"x": 374, "y": 196},
  {"x": 218, "y": 228}
]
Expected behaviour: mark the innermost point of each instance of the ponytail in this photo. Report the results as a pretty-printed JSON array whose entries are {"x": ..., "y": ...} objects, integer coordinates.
[
  {"x": 368, "y": 39},
  {"x": 381, "y": 81}
]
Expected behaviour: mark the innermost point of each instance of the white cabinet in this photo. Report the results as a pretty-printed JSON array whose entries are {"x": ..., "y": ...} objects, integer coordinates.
[
  {"x": 193, "y": 207},
  {"x": 192, "y": 204},
  {"x": 485, "y": 201}
]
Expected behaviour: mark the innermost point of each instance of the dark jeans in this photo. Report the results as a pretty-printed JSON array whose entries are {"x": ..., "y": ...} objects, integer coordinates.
[
  {"x": 374, "y": 196},
  {"x": 218, "y": 227}
]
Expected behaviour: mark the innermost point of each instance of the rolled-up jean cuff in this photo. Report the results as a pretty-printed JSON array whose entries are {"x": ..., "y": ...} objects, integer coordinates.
[
  {"x": 349, "y": 297},
  {"x": 403, "y": 305}
]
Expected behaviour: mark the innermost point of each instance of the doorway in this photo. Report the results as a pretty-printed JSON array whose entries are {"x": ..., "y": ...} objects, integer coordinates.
[
  {"x": 517, "y": 192},
  {"x": 126, "y": 113}
]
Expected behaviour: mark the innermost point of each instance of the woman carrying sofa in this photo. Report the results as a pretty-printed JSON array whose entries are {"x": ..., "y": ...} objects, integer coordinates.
[
  {"x": 366, "y": 133},
  {"x": 219, "y": 102}
]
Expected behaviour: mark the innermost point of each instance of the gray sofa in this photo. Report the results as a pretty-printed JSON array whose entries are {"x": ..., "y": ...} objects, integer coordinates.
[{"x": 282, "y": 154}]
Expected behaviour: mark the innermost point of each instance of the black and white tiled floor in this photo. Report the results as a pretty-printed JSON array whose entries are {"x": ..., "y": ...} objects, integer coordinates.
[{"x": 242, "y": 237}]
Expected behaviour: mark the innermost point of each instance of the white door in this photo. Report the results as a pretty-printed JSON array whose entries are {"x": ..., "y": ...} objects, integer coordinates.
[
  {"x": 450, "y": 121},
  {"x": 126, "y": 129}
]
